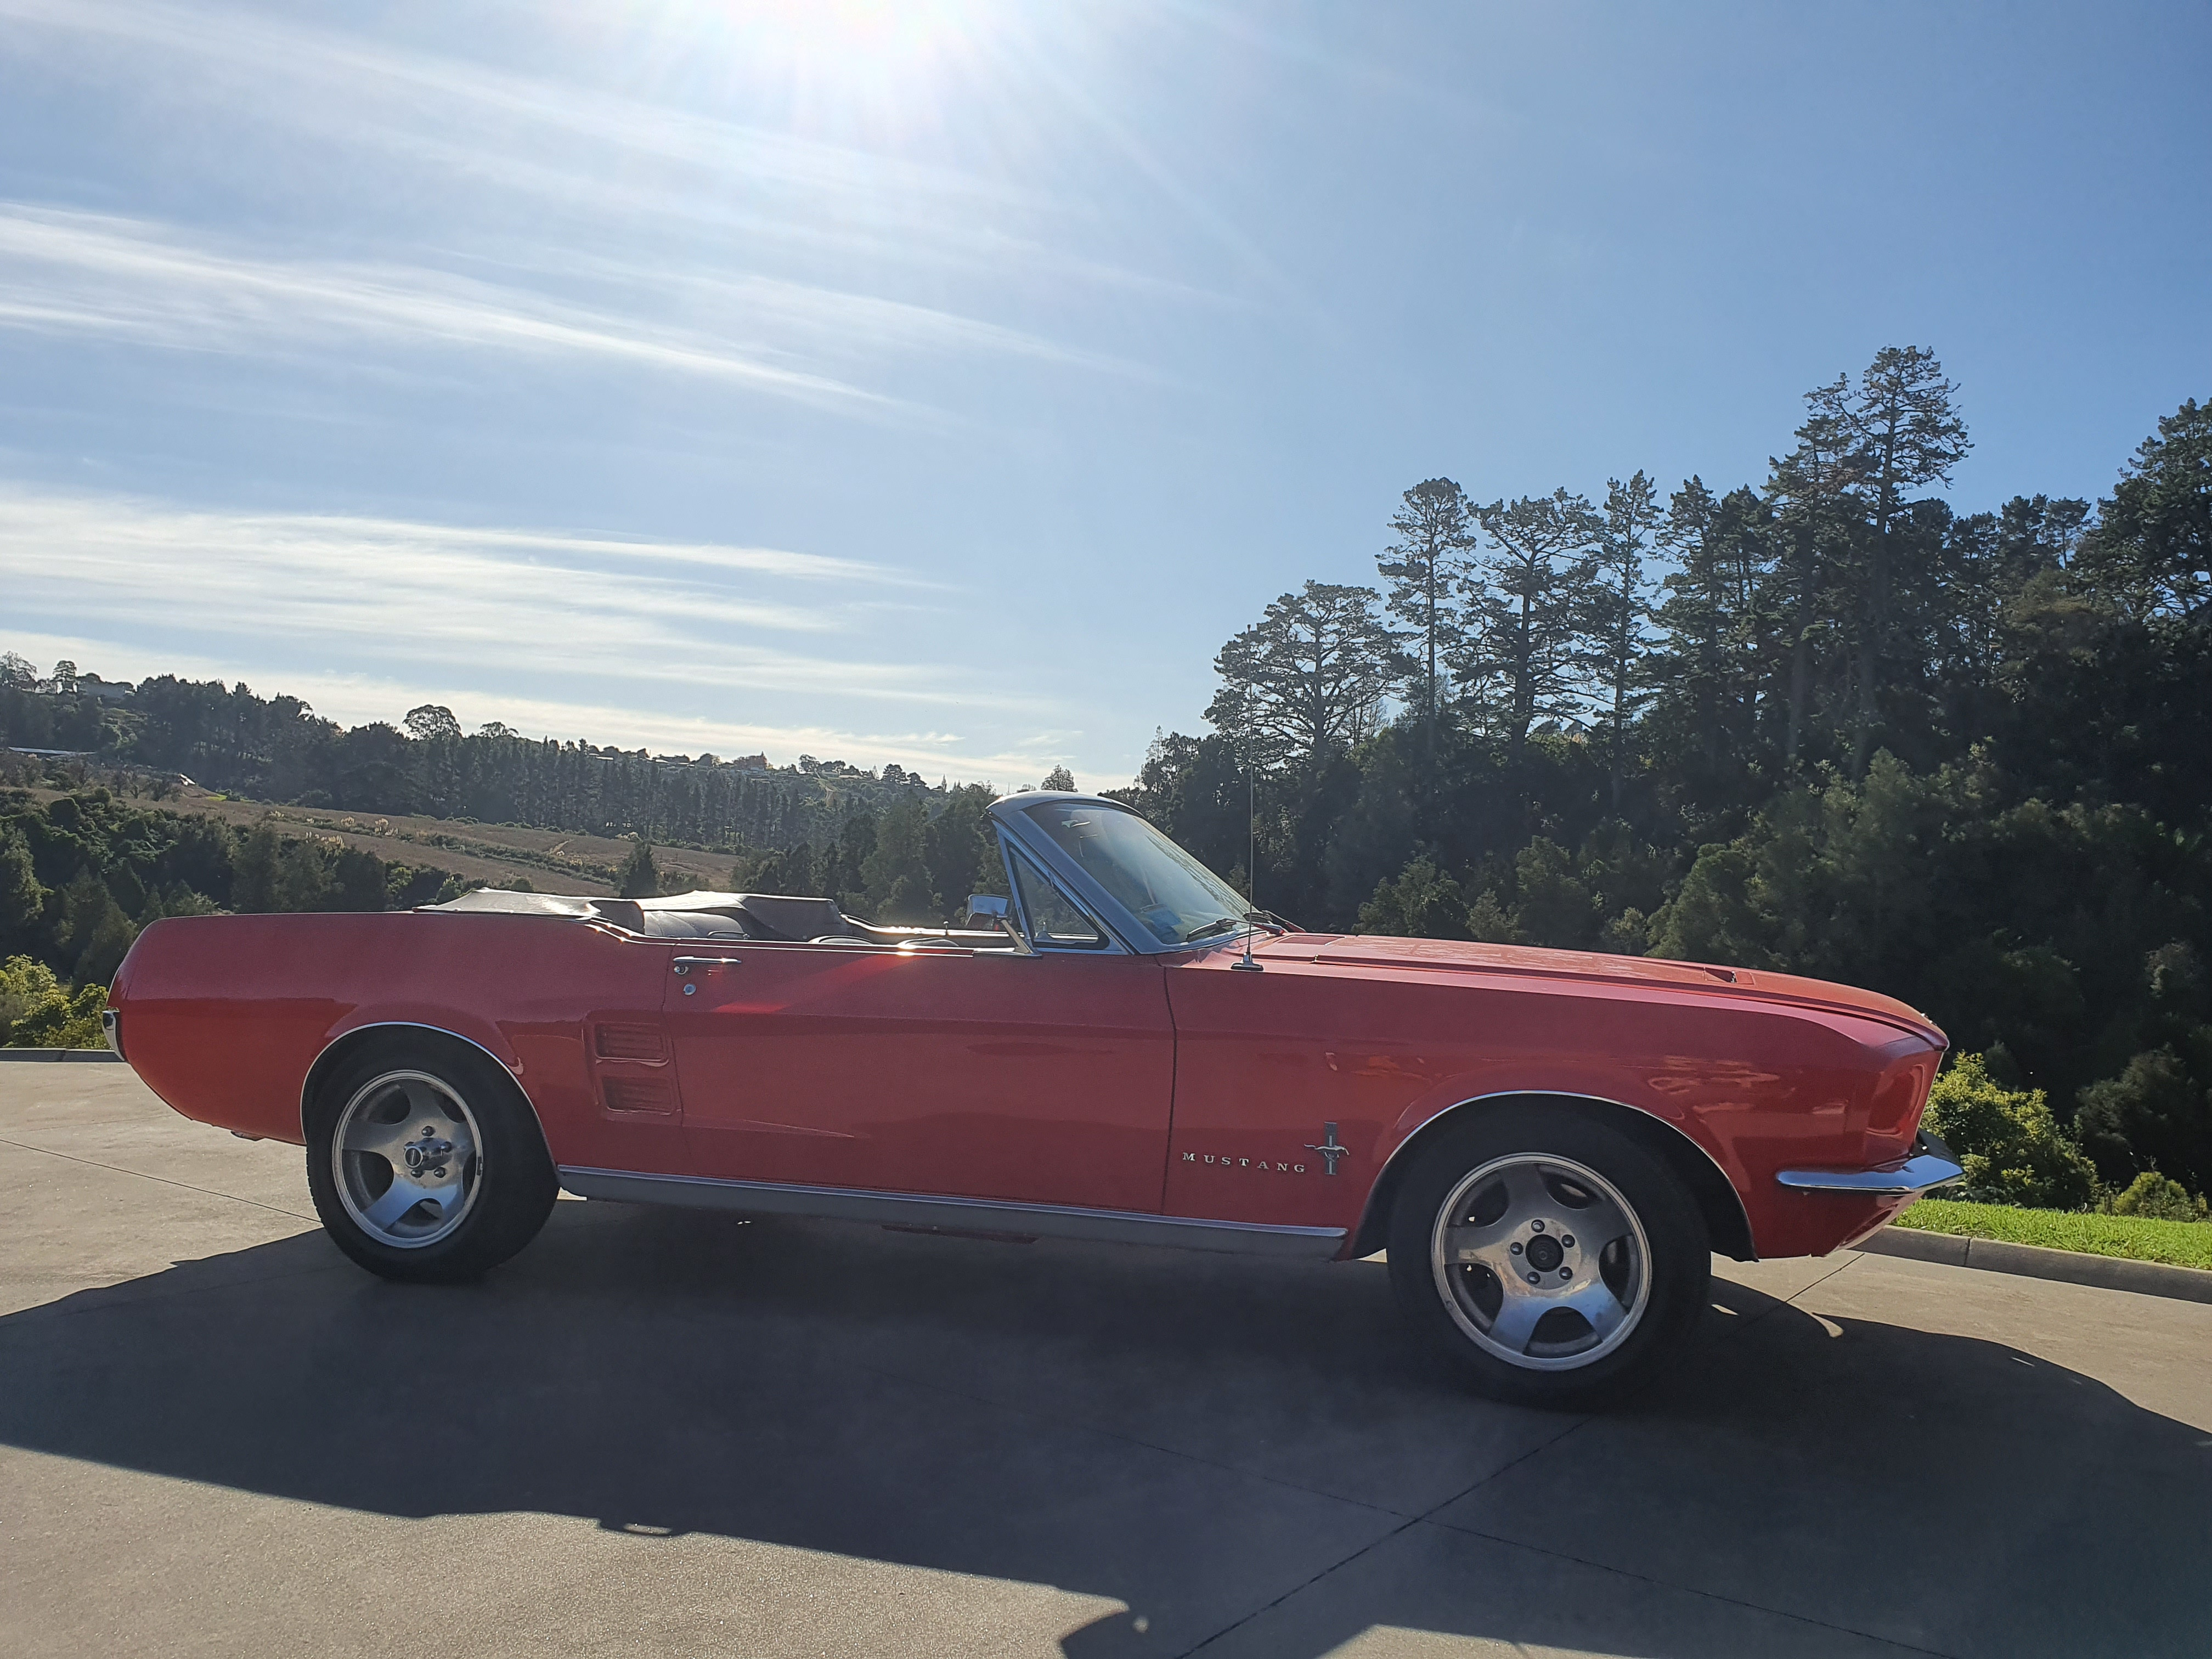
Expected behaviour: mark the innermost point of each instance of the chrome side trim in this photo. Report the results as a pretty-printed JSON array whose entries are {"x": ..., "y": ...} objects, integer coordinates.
[
  {"x": 968, "y": 1214},
  {"x": 1915, "y": 1175},
  {"x": 1376, "y": 1186}
]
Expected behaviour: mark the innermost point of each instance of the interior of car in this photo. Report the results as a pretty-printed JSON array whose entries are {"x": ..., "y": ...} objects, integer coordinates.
[{"x": 782, "y": 918}]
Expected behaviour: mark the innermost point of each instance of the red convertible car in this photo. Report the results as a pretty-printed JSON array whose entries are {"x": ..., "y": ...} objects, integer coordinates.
[{"x": 1549, "y": 1144}]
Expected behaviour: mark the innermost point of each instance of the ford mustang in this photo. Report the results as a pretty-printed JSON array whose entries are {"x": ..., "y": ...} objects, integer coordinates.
[{"x": 1548, "y": 1145}]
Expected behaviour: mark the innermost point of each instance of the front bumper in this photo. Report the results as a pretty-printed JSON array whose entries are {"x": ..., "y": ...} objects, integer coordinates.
[{"x": 1930, "y": 1165}]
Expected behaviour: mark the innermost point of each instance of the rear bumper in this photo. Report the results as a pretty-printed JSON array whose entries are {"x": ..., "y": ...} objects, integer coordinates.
[{"x": 1930, "y": 1165}]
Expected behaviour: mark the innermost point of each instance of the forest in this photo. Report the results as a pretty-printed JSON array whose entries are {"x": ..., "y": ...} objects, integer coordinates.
[{"x": 1821, "y": 721}]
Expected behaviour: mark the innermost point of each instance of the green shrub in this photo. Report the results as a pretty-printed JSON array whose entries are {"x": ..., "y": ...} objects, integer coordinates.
[
  {"x": 2015, "y": 1151},
  {"x": 641, "y": 877},
  {"x": 2151, "y": 1194},
  {"x": 1422, "y": 903},
  {"x": 2154, "y": 1115},
  {"x": 37, "y": 1012}
]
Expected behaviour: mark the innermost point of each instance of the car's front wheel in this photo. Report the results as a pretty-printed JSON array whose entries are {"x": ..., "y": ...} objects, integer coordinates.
[
  {"x": 425, "y": 1162},
  {"x": 1558, "y": 1261}
]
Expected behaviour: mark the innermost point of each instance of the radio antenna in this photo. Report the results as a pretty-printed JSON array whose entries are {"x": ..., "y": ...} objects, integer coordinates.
[{"x": 1251, "y": 869}]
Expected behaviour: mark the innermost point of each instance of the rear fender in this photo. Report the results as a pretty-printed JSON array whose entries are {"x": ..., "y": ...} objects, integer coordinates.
[{"x": 449, "y": 1023}]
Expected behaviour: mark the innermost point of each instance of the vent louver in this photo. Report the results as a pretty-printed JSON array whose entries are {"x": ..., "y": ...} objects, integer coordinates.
[
  {"x": 650, "y": 1094},
  {"x": 630, "y": 1042}
]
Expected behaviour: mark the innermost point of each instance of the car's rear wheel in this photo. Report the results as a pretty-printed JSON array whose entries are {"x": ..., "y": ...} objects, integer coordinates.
[
  {"x": 425, "y": 1162},
  {"x": 1555, "y": 1259}
]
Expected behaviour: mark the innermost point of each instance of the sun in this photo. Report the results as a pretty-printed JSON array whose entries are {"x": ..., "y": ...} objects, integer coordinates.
[{"x": 878, "y": 45}]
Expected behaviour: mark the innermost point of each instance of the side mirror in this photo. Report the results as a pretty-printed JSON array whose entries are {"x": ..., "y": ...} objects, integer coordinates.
[{"x": 989, "y": 910}]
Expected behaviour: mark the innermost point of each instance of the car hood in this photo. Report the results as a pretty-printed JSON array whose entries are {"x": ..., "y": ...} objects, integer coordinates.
[{"x": 1692, "y": 978}]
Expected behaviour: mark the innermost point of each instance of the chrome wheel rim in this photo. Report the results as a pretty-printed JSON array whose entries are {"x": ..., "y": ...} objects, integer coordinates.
[
  {"x": 1542, "y": 1261},
  {"x": 406, "y": 1158}
]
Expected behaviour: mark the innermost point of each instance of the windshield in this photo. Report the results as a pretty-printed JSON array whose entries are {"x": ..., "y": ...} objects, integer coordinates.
[{"x": 1174, "y": 895}]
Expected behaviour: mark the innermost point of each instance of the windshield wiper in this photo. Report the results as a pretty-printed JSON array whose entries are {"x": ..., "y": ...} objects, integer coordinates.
[{"x": 1211, "y": 929}]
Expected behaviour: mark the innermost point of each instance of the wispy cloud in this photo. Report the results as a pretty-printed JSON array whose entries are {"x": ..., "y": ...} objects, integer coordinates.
[
  {"x": 575, "y": 151},
  {"x": 61, "y": 271},
  {"x": 280, "y": 55},
  {"x": 517, "y": 602}
]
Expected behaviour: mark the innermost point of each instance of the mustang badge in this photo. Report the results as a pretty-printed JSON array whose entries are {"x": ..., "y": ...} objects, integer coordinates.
[{"x": 1329, "y": 1148}]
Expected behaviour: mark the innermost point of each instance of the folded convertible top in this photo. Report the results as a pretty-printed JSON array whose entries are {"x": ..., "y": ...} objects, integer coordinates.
[{"x": 784, "y": 916}]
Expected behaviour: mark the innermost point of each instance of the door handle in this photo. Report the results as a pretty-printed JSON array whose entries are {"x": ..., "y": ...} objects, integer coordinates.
[{"x": 685, "y": 964}]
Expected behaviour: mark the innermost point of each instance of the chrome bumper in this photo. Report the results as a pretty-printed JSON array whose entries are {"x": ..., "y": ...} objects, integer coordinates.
[
  {"x": 1930, "y": 1165},
  {"x": 111, "y": 1027}
]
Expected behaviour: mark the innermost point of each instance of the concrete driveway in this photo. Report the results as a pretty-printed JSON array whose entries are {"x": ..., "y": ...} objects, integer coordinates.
[{"x": 668, "y": 1432}]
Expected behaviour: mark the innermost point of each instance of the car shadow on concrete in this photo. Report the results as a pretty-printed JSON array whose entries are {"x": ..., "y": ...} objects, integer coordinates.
[{"x": 1195, "y": 1437}]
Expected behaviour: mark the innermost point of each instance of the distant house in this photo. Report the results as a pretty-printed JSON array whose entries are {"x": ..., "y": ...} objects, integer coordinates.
[{"x": 110, "y": 692}]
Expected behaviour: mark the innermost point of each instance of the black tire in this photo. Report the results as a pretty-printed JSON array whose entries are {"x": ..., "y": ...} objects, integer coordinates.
[
  {"x": 507, "y": 1183},
  {"x": 1580, "y": 1366}
]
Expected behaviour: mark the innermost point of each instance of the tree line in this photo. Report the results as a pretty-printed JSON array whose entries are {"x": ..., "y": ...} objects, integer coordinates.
[
  {"x": 228, "y": 738},
  {"x": 1820, "y": 722}
]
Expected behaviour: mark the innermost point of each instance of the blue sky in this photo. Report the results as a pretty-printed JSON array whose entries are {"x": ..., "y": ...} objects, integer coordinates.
[{"x": 942, "y": 382}]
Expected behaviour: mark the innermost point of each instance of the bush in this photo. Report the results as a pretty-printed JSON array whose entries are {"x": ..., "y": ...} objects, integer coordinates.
[
  {"x": 2162, "y": 1197},
  {"x": 37, "y": 1013},
  {"x": 640, "y": 877},
  {"x": 1420, "y": 904},
  {"x": 2014, "y": 1150},
  {"x": 2153, "y": 1116}
]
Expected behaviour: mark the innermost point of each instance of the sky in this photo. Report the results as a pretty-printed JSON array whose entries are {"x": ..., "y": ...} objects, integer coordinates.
[{"x": 942, "y": 382}]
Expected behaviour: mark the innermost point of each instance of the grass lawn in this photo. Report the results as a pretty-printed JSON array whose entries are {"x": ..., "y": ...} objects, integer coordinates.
[{"x": 2184, "y": 1243}]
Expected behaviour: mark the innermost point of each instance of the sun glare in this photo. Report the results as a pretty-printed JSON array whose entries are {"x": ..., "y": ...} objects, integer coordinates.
[{"x": 866, "y": 45}]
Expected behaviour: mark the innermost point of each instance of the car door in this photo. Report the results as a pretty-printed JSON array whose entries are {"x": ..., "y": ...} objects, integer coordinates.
[{"x": 1045, "y": 1078}]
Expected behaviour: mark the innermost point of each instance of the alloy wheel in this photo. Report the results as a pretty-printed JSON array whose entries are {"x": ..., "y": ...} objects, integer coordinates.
[
  {"x": 405, "y": 1156},
  {"x": 1542, "y": 1261}
]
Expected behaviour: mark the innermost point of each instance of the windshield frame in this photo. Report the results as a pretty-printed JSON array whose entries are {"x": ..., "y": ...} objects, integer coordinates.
[{"x": 1011, "y": 814}]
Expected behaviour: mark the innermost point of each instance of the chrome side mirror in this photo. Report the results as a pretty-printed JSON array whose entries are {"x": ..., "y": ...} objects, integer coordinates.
[{"x": 989, "y": 910}]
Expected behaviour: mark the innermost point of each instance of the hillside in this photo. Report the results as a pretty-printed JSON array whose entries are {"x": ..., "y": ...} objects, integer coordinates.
[
  {"x": 492, "y": 854},
  {"x": 232, "y": 742}
]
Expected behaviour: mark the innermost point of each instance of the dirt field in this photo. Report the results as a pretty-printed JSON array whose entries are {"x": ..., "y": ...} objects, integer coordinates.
[{"x": 553, "y": 860}]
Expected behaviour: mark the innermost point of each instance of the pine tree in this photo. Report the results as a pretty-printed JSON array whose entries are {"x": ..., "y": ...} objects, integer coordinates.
[
  {"x": 1806, "y": 490},
  {"x": 1617, "y": 608},
  {"x": 640, "y": 877},
  {"x": 1426, "y": 568},
  {"x": 1528, "y": 593},
  {"x": 1903, "y": 432},
  {"x": 895, "y": 870},
  {"x": 2152, "y": 547},
  {"x": 22, "y": 899},
  {"x": 1713, "y": 619},
  {"x": 1306, "y": 680}
]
